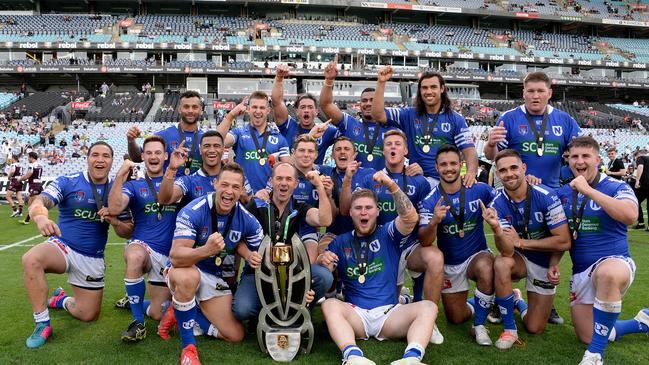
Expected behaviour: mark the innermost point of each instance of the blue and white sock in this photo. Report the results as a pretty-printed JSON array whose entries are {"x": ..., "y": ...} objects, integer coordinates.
[
  {"x": 146, "y": 305},
  {"x": 186, "y": 317},
  {"x": 481, "y": 305},
  {"x": 414, "y": 350},
  {"x": 351, "y": 351},
  {"x": 521, "y": 305},
  {"x": 205, "y": 325},
  {"x": 604, "y": 316},
  {"x": 506, "y": 306},
  {"x": 42, "y": 317},
  {"x": 135, "y": 289}
]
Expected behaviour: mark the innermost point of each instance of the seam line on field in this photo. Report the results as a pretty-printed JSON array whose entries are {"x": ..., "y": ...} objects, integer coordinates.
[{"x": 2, "y": 248}]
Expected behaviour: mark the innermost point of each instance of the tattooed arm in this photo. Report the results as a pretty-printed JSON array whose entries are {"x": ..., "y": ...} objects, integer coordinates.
[
  {"x": 39, "y": 212},
  {"x": 408, "y": 217}
]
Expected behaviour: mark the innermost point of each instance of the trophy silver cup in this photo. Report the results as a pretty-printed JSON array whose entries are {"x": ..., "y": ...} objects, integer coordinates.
[{"x": 282, "y": 280}]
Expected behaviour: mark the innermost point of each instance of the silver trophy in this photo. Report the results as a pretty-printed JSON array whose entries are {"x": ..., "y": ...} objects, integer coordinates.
[{"x": 282, "y": 280}]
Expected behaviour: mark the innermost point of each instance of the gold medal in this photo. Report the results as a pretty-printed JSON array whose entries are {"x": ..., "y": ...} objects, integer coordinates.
[
  {"x": 187, "y": 171},
  {"x": 159, "y": 216},
  {"x": 539, "y": 147},
  {"x": 539, "y": 151},
  {"x": 461, "y": 233},
  {"x": 370, "y": 158},
  {"x": 218, "y": 261},
  {"x": 426, "y": 148},
  {"x": 361, "y": 278},
  {"x": 262, "y": 161}
]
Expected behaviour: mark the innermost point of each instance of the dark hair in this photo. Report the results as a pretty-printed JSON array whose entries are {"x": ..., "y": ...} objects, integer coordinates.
[
  {"x": 344, "y": 139},
  {"x": 211, "y": 133},
  {"x": 419, "y": 102},
  {"x": 101, "y": 143},
  {"x": 367, "y": 90},
  {"x": 536, "y": 77},
  {"x": 507, "y": 153},
  {"x": 363, "y": 193},
  {"x": 234, "y": 168},
  {"x": 611, "y": 149},
  {"x": 33, "y": 155},
  {"x": 584, "y": 141},
  {"x": 448, "y": 148},
  {"x": 155, "y": 138},
  {"x": 304, "y": 97},
  {"x": 192, "y": 94}
]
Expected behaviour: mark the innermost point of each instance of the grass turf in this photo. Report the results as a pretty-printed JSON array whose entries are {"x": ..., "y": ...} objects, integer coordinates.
[{"x": 75, "y": 342}]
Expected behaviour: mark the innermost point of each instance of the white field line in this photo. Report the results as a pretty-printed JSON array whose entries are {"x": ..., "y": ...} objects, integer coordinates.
[{"x": 2, "y": 248}]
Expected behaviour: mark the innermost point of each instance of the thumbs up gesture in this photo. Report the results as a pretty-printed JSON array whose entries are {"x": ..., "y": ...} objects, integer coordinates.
[{"x": 497, "y": 134}]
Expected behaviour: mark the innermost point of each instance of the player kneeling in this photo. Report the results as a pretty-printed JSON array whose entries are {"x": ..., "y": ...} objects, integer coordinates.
[{"x": 367, "y": 260}]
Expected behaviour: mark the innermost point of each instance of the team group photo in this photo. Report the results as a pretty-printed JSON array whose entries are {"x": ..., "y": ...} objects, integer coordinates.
[{"x": 400, "y": 182}]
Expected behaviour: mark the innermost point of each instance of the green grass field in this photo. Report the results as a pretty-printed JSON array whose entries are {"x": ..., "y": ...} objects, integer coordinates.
[{"x": 75, "y": 342}]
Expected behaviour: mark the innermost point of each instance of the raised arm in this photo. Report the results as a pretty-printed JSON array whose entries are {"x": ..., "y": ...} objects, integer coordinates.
[
  {"x": 408, "y": 217},
  {"x": 496, "y": 134},
  {"x": 226, "y": 123},
  {"x": 280, "y": 112},
  {"x": 169, "y": 192},
  {"x": 321, "y": 217},
  {"x": 471, "y": 158},
  {"x": 327, "y": 105},
  {"x": 134, "y": 151},
  {"x": 378, "y": 105},
  {"x": 117, "y": 200},
  {"x": 621, "y": 209},
  {"x": 183, "y": 254},
  {"x": 346, "y": 192}
]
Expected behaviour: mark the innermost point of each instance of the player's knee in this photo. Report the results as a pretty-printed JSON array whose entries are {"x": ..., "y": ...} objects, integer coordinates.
[
  {"x": 235, "y": 335},
  {"x": 502, "y": 267},
  {"x": 434, "y": 259},
  {"x": 535, "y": 327},
  {"x": 88, "y": 315},
  {"x": 31, "y": 261},
  {"x": 330, "y": 306},
  {"x": 184, "y": 280},
  {"x": 427, "y": 308},
  {"x": 607, "y": 278},
  {"x": 584, "y": 337}
]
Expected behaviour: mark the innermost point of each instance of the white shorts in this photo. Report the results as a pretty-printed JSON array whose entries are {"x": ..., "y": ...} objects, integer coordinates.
[
  {"x": 158, "y": 263},
  {"x": 210, "y": 286},
  {"x": 582, "y": 290},
  {"x": 537, "y": 278},
  {"x": 456, "y": 278},
  {"x": 374, "y": 319},
  {"x": 85, "y": 272},
  {"x": 403, "y": 264}
]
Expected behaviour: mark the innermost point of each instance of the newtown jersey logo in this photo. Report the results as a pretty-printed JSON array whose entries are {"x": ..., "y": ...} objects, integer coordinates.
[
  {"x": 538, "y": 216},
  {"x": 234, "y": 236},
  {"x": 473, "y": 205},
  {"x": 273, "y": 140},
  {"x": 446, "y": 127},
  {"x": 594, "y": 206},
  {"x": 411, "y": 190},
  {"x": 557, "y": 130},
  {"x": 375, "y": 246}
]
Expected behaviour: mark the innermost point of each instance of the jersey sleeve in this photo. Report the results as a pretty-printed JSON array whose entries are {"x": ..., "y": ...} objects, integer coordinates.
[
  {"x": 397, "y": 117},
  {"x": 426, "y": 209},
  {"x": 422, "y": 190},
  {"x": 624, "y": 191},
  {"x": 502, "y": 211},
  {"x": 346, "y": 123},
  {"x": 184, "y": 183},
  {"x": 397, "y": 237},
  {"x": 284, "y": 127},
  {"x": 56, "y": 190},
  {"x": 284, "y": 150},
  {"x": 554, "y": 213},
  {"x": 575, "y": 130},
  {"x": 235, "y": 133},
  {"x": 488, "y": 194},
  {"x": 463, "y": 138},
  {"x": 185, "y": 224},
  {"x": 254, "y": 233}
]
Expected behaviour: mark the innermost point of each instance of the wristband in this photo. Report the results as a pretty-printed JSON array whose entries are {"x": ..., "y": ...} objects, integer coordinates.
[{"x": 331, "y": 84}]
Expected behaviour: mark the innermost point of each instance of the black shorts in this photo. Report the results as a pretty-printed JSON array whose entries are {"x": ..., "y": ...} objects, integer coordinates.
[
  {"x": 15, "y": 186},
  {"x": 35, "y": 189}
]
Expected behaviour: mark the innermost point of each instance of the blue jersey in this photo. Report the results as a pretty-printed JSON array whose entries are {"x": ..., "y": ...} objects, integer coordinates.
[
  {"x": 147, "y": 228},
  {"x": 456, "y": 250},
  {"x": 560, "y": 130},
  {"x": 291, "y": 129},
  {"x": 342, "y": 223},
  {"x": 194, "y": 223},
  {"x": 450, "y": 128},
  {"x": 546, "y": 213},
  {"x": 81, "y": 226},
  {"x": 599, "y": 234},
  {"x": 247, "y": 156},
  {"x": 354, "y": 129},
  {"x": 417, "y": 188},
  {"x": 171, "y": 135},
  {"x": 380, "y": 287},
  {"x": 199, "y": 184},
  {"x": 565, "y": 175}
]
